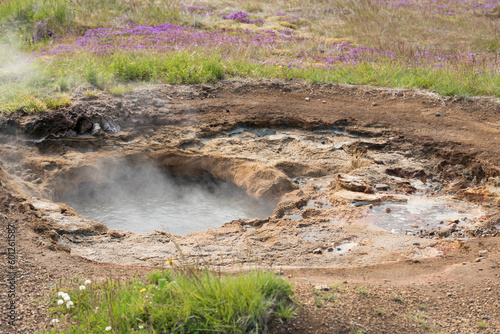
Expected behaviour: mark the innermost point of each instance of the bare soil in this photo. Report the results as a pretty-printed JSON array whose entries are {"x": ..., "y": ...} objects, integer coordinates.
[{"x": 311, "y": 150}]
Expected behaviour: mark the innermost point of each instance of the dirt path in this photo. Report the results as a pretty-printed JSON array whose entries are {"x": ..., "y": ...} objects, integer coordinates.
[{"x": 454, "y": 292}]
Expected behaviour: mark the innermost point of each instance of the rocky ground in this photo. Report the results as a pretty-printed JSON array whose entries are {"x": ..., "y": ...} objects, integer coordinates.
[{"x": 340, "y": 164}]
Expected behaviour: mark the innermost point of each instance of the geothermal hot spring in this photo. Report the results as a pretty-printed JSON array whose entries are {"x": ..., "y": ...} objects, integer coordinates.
[{"x": 144, "y": 199}]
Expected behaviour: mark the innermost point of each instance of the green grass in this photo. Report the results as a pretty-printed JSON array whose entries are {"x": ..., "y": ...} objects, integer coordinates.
[
  {"x": 362, "y": 290},
  {"x": 177, "y": 301},
  {"x": 49, "y": 80}
]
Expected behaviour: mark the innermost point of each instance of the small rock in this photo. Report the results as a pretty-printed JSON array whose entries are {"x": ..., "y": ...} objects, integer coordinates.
[
  {"x": 374, "y": 104},
  {"x": 317, "y": 251},
  {"x": 307, "y": 99},
  {"x": 478, "y": 259},
  {"x": 158, "y": 103},
  {"x": 115, "y": 234},
  {"x": 330, "y": 249},
  {"x": 323, "y": 101},
  {"x": 464, "y": 263},
  {"x": 449, "y": 294},
  {"x": 437, "y": 114},
  {"x": 322, "y": 287},
  {"x": 388, "y": 210},
  {"x": 382, "y": 187},
  {"x": 97, "y": 130},
  {"x": 414, "y": 225},
  {"x": 206, "y": 87}
]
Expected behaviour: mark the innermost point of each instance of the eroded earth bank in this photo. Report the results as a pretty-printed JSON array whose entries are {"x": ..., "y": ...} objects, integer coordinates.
[{"x": 392, "y": 191}]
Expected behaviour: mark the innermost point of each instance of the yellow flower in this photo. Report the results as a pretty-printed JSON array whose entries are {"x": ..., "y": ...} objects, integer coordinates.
[
  {"x": 142, "y": 290},
  {"x": 170, "y": 262}
]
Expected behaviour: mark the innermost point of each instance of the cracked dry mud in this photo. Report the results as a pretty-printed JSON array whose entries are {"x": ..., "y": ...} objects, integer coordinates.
[{"x": 358, "y": 178}]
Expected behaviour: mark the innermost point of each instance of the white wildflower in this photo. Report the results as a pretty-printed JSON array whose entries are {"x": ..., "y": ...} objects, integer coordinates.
[
  {"x": 82, "y": 287},
  {"x": 54, "y": 321},
  {"x": 60, "y": 294},
  {"x": 87, "y": 281},
  {"x": 69, "y": 304},
  {"x": 107, "y": 329},
  {"x": 140, "y": 326},
  {"x": 66, "y": 298},
  {"x": 60, "y": 302}
]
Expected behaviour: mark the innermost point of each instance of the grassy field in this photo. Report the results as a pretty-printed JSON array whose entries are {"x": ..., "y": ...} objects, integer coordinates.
[
  {"x": 449, "y": 46},
  {"x": 178, "y": 300}
]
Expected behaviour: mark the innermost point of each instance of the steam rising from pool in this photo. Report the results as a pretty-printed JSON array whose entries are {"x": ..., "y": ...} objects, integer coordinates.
[{"x": 146, "y": 199}]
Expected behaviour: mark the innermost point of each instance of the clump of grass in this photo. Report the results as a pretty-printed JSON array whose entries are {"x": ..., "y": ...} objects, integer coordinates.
[
  {"x": 362, "y": 290},
  {"x": 58, "y": 101},
  {"x": 481, "y": 324},
  {"x": 92, "y": 76},
  {"x": 23, "y": 102},
  {"x": 330, "y": 297},
  {"x": 380, "y": 311},
  {"x": 421, "y": 319},
  {"x": 184, "y": 300},
  {"x": 119, "y": 90},
  {"x": 318, "y": 302},
  {"x": 91, "y": 94}
]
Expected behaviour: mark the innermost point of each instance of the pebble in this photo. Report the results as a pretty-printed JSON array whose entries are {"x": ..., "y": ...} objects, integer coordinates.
[
  {"x": 322, "y": 287},
  {"x": 388, "y": 210},
  {"x": 317, "y": 251},
  {"x": 158, "y": 103},
  {"x": 478, "y": 259},
  {"x": 437, "y": 114},
  {"x": 97, "y": 130},
  {"x": 307, "y": 99}
]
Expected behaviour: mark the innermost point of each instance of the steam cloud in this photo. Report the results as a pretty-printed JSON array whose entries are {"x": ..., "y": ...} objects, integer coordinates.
[
  {"x": 144, "y": 199},
  {"x": 13, "y": 65}
]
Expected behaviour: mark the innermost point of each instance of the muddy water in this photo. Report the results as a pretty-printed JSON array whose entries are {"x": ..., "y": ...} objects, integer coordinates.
[
  {"x": 421, "y": 213},
  {"x": 143, "y": 200}
]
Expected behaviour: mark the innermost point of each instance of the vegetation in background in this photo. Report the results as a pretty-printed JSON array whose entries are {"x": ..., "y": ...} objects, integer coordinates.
[
  {"x": 174, "y": 301},
  {"x": 448, "y": 46}
]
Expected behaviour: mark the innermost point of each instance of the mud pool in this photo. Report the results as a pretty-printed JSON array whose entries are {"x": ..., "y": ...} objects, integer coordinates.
[
  {"x": 240, "y": 182},
  {"x": 422, "y": 213},
  {"x": 145, "y": 199}
]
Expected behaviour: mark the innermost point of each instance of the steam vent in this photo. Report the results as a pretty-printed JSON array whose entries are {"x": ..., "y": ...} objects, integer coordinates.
[
  {"x": 339, "y": 190},
  {"x": 291, "y": 181}
]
